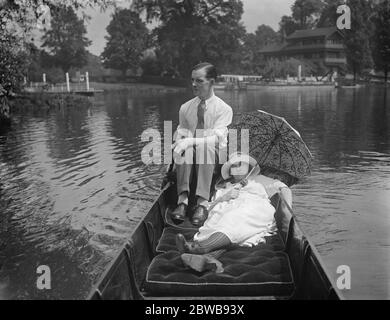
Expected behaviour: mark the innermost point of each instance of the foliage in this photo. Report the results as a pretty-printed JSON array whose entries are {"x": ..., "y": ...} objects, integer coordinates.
[
  {"x": 14, "y": 61},
  {"x": 357, "y": 39},
  {"x": 275, "y": 68},
  {"x": 304, "y": 15},
  {"x": 252, "y": 61},
  {"x": 287, "y": 26},
  {"x": 151, "y": 66},
  {"x": 264, "y": 36},
  {"x": 381, "y": 40},
  {"x": 25, "y": 14},
  {"x": 306, "y": 12},
  {"x": 94, "y": 67},
  {"x": 127, "y": 40},
  {"x": 18, "y": 18},
  {"x": 193, "y": 31},
  {"x": 66, "y": 39},
  {"x": 329, "y": 15}
]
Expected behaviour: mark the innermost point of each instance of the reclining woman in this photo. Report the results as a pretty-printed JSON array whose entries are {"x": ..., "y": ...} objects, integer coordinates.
[{"x": 242, "y": 214}]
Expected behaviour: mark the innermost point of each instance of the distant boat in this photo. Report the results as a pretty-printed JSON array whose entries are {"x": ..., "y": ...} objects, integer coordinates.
[
  {"x": 356, "y": 86},
  {"x": 231, "y": 86},
  {"x": 219, "y": 86},
  {"x": 347, "y": 84}
]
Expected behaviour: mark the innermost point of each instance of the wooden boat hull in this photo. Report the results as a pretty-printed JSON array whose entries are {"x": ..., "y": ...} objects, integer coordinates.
[{"x": 125, "y": 277}]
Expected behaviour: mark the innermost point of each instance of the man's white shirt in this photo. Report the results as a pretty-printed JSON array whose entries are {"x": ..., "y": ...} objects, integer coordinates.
[{"x": 218, "y": 116}]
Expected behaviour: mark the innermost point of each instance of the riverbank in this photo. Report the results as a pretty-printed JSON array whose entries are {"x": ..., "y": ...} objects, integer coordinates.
[
  {"x": 137, "y": 87},
  {"x": 261, "y": 85},
  {"x": 100, "y": 87},
  {"x": 38, "y": 101}
]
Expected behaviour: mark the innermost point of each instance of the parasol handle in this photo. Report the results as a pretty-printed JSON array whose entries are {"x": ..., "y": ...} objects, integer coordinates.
[{"x": 236, "y": 186}]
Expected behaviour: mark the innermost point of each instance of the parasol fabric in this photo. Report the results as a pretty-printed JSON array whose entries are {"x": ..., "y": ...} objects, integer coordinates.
[{"x": 274, "y": 143}]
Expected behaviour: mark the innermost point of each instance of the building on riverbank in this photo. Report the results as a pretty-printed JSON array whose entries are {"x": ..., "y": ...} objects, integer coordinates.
[{"x": 321, "y": 46}]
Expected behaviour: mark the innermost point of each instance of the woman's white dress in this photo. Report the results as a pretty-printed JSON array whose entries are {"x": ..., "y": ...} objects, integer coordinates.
[{"x": 245, "y": 220}]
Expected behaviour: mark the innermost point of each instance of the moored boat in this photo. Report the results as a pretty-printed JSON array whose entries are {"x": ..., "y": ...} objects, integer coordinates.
[{"x": 148, "y": 267}]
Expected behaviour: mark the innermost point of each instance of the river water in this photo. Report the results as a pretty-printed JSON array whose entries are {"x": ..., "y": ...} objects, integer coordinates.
[{"x": 73, "y": 186}]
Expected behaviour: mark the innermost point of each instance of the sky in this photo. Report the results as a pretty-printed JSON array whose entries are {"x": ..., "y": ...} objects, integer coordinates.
[{"x": 256, "y": 12}]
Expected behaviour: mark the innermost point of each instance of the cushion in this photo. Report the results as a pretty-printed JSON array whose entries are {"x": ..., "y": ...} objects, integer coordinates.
[{"x": 260, "y": 271}]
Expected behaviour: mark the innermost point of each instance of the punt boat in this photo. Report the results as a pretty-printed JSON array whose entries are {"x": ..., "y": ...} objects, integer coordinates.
[{"x": 148, "y": 267}]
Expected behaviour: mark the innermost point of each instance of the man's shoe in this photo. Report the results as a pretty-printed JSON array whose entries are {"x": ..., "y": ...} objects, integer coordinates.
[
  {"x": 179, "y": 214},
  {"x": 200, "y": 216},
  {"x": 184, "y": 246}
]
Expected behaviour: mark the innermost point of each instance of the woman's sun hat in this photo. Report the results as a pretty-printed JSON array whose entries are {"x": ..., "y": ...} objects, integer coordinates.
[{"x": 239, "y": 157}]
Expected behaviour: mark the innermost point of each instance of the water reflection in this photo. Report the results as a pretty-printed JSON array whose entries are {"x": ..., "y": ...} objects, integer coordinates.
[{"x": 73, "y": 186}]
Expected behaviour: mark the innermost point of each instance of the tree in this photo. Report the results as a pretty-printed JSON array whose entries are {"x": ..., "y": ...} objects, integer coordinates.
[
  {"x": 329, "y": 15},
  {"x": 27, "y": 14},
  {"x": 14, "y": 61},
  {"x": 306, "y": 12},
  {"x": 252, "y": 61},
  {"x": 265, "y": 35},
  {"x": 304, "y": 15},
  {"x": 66, "y": 39},
  {"x": 18, "y": 18},
  {"x": 357, "y": 39},
  {"x": 381, "y": 52},
  {"x": 126, "y": 41},
  {"x": 193, "y": 31},
  {"x": 287, "y": 26},
  {"x": 151, "y": 66}
]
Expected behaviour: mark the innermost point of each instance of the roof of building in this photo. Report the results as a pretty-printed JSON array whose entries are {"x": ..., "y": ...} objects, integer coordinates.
[
  {"x": 309, "y": 33},
  {"x": 275, "y": 47}
]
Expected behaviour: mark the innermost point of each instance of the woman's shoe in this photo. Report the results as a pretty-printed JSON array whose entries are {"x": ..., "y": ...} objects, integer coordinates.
[
  {"x": 201, "y": 263},
  {"x": 184, "y": 246}
]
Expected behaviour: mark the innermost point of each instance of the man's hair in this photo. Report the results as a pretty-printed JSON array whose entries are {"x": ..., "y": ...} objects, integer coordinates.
[{"x": 211, "y": 70}]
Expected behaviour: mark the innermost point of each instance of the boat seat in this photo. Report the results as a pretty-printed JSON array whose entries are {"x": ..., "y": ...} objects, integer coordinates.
[{"x": 263, "y": 270}]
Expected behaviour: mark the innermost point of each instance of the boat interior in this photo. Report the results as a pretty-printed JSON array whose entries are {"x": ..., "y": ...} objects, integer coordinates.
[{"x": 286, "y": 266}]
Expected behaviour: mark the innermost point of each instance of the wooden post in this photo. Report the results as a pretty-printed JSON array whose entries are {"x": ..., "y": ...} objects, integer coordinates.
[
  {"x": 44, "y": 78},
  {"x": 87, "y": 80},
  {"x": 67, "y": 82},
  {"x": 299, "y": 73}
]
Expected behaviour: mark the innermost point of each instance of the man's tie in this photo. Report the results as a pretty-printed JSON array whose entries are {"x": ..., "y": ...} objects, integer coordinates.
[{"x": 201, "y": 109}]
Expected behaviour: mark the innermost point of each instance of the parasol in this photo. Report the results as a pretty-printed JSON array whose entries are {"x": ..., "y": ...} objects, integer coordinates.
[{"x": 274, "y": 143}]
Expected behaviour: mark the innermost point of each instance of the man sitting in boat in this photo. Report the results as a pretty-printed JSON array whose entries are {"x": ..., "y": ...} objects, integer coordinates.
[
  {"x": 241, "y": 214},
  {"x": 203, "y": 123}
]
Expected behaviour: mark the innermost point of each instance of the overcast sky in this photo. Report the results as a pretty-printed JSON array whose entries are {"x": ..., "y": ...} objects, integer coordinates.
[{"x": 256, "y": 12}]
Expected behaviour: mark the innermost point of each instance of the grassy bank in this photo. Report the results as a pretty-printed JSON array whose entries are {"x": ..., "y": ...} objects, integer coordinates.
[{"x": 28, "y": 102}]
